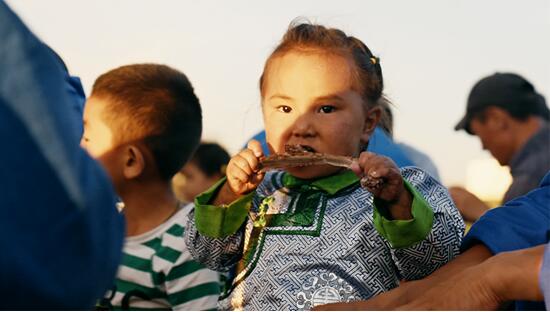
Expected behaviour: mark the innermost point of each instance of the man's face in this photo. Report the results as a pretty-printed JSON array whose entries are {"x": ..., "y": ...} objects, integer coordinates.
[{"x": 493, "y": 138}]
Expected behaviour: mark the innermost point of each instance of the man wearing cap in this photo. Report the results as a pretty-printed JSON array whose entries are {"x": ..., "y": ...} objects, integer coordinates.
[{"x": 511, "y": 120}]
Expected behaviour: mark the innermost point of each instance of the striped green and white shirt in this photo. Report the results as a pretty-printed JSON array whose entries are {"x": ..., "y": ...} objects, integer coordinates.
[{"x": 158, "y": 273}]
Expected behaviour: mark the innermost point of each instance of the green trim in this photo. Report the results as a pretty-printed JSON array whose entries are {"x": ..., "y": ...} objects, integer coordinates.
[
  {"x": 331, "y": 184},
  {"x": 220, "y": 221},
  {"x": 252, "y": 255},
  {"x": 405, "y": 233}
]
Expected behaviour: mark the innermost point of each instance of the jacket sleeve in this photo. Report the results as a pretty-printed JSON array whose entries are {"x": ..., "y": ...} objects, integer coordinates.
[
  {"x": 521, "y": 223},
  {"x": 215, "y": 234},
  {"x": 432, "y": 238},
  {"x": 61, "y": 235}
]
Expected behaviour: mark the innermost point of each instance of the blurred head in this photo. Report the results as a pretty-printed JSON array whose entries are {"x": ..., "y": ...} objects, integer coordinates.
[
  {"x": 499, "y": 108},
  {"x": 204, "y": 169},
  {"x": 142, "y": 122},
  {"x": 320, "y": 89}
]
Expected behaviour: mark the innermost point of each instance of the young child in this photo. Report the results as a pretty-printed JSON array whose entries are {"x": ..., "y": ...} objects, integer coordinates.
[
  {"x": 143, "y": 122},
  {"x": 313, "y": 235},
  {"x": 204, "y": 169}
]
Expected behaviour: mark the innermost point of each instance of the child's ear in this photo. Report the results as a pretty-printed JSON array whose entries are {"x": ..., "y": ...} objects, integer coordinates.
[
  {"x": 372, "y": 118},
  {"x": 134, "y": 162}
]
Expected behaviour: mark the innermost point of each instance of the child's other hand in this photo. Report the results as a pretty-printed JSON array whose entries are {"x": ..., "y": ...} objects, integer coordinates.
[
  {"x": 243, "y": 174},
  {"x": 390, "y": 187}
]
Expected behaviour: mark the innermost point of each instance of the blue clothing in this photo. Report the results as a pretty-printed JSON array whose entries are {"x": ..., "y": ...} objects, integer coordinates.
[
  {"x": 521, "y": 223},
  {"x": 321, "y": 240},
  {"x": 379, "y": 143},
  {"x": 60, "y": 233}
]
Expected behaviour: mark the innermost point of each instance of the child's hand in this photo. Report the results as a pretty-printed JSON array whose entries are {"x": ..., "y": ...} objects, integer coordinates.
[
  {"x": 383, "y": 179},
  {"x": 242, "y": 172}
]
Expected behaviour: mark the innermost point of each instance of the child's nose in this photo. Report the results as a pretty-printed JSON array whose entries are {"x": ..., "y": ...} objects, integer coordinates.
[{"x": 303, "y": 127}]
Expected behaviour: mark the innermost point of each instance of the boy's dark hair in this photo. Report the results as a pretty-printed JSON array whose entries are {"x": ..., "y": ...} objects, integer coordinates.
[
  {"x": 156, "y": 104},
  {"x": 211, "y": 159}
]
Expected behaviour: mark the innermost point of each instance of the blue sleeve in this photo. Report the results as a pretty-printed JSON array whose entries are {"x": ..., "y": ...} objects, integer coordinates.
[
  {"x": 381, "y": 143},
  {"x": 60, "y": 233},
  {"x": 521, "y": 223}
]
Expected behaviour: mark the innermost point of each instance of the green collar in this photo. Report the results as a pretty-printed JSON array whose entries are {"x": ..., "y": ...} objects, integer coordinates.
[{"x": 331, "y": 184}]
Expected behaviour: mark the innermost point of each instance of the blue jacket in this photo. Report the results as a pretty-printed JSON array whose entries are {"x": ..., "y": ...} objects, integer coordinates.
[
  {"x": 60, "y": 233},
  {"x": 520, "y": 223}
]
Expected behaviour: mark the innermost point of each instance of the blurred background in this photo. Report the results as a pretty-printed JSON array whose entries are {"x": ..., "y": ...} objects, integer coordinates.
[{"x": 432, "y": 52}]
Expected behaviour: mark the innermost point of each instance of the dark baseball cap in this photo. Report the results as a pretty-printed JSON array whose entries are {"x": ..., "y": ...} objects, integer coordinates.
[{"x": 508, "y": 91}]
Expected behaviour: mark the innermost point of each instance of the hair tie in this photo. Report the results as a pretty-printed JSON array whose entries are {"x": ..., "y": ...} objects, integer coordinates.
[{"x": 373, "y": 60}]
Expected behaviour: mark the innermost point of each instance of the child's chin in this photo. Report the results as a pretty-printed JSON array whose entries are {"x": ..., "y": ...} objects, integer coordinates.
[{"x": 313, "y": 172}]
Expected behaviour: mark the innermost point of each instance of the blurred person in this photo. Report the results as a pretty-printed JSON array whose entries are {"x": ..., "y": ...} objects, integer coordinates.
[
  {"x": 510, "y": 118},
  {"x": 143, "y": 122},
  {"x": 500, "y": 261},
  {"x": 61, "y": 235},
  {"x": 205, "y": 168},
  {"x": 308, "y": 235},
  {"x": 416, "y": 157}
]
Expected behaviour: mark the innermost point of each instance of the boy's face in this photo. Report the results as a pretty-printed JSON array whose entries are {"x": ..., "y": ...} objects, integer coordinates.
[
  {"x": 98, "y": 138},
  {"x": 309, "y": 101}
]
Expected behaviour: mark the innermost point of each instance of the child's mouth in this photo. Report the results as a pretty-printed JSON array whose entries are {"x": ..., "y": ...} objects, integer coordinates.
[
  {"x": 308, "y": 148},
  {"x": 298, "y": 148}
]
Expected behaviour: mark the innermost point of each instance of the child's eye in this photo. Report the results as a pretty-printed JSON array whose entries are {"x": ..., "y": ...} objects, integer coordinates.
[
  {"x": 284, "y": 109},
  {"x": 327, "y": 109}
]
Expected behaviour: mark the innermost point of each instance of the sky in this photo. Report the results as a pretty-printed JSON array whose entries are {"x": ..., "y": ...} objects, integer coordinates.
[{"x": 432, "y": 52}]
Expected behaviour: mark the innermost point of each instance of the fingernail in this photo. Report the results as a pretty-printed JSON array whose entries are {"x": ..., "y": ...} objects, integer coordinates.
[{"x": 374, "y": 174}]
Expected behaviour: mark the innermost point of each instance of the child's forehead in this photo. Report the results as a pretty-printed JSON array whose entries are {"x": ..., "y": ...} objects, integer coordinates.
[{"x": 322, "y": 74}]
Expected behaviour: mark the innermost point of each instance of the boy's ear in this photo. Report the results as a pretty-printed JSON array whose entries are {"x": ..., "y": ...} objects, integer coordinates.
[
  {"x": 372, "y": 118},
  {"x": 134, "y": 162}
]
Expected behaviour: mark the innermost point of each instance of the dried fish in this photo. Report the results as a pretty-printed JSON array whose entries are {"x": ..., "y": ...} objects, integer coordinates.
[{"x": 298, "y": 156}]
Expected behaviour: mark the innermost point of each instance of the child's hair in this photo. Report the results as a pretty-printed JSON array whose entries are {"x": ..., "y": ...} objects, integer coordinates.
[
  {"x": 156, "y": 104},
  {"x": 309, "y": 38},
  {"x": 211, "y": 159}
]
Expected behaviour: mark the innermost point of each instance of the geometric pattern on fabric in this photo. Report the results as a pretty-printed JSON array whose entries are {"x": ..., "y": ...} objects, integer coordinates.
[{"x": 348, "y": 259}]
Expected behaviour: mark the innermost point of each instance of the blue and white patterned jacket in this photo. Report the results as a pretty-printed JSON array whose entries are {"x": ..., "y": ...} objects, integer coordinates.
[{"x": 329, "y": 252}]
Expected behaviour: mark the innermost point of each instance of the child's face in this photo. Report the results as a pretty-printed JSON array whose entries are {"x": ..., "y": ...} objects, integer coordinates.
[
  {"x": 309, "y": 100},
  {"x": 191, "y": 181},
  {"x": 98, "y": 137}
]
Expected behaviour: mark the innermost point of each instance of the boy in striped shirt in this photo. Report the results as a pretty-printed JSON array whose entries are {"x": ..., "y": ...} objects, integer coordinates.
[{"x": 143, "y": 122}]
